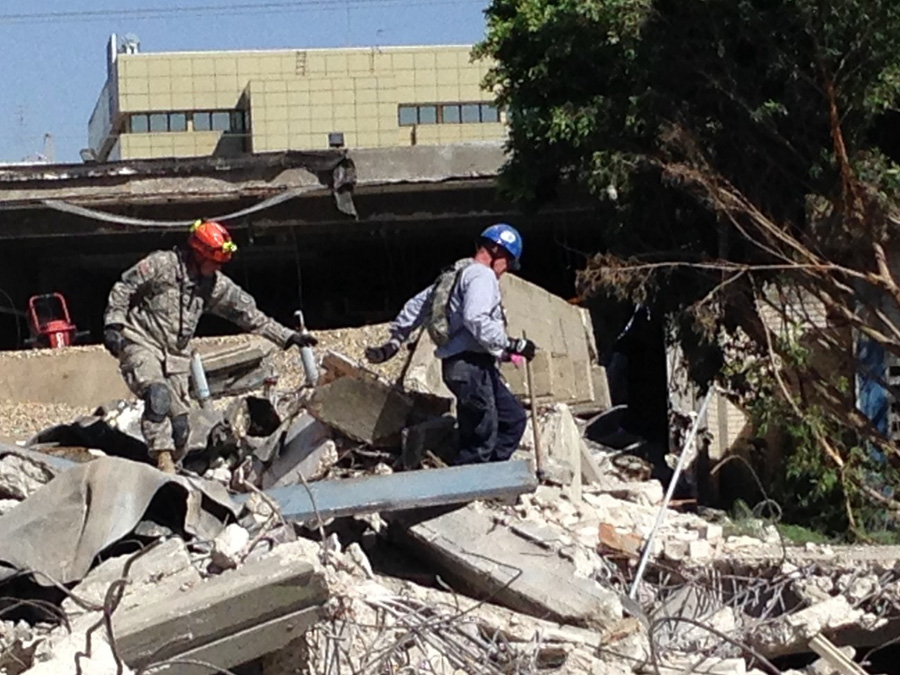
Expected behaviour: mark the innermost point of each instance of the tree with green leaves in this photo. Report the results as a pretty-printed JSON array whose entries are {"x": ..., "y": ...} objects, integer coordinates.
[{"x": 743, "y": 155}]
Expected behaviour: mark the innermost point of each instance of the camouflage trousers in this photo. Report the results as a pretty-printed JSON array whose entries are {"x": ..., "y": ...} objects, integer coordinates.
[{"x": 141, "y": 368}]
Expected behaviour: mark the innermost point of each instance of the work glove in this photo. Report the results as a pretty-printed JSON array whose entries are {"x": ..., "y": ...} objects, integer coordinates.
[
  {"x": 521, "y": 347},
  {"x": 382, "y": 353},
  {"x": 113, "y": 339},
  {"x": 301, "y": 340}
]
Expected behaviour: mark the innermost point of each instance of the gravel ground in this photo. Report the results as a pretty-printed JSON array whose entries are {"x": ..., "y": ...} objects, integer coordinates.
[{"x": 20, "y": 421}]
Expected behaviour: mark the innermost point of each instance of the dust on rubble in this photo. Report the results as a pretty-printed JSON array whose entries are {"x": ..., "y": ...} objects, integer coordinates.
[{"x": 20, "y": 421}]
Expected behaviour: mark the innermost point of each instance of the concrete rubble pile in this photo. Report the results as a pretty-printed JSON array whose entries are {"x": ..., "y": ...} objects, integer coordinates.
[{"x": 320, "y": 530}]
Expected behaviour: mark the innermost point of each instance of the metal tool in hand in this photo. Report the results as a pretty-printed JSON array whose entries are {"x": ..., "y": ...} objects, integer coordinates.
[
  {"x": 535, "y": 429},
  {"x": 307, "y": 357}
]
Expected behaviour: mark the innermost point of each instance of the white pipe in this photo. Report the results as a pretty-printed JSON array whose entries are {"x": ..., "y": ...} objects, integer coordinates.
[
  {"x": 201, "y": 385},
  {"x": 661, "y": 515},
  {"x": 307, "y": 356}
]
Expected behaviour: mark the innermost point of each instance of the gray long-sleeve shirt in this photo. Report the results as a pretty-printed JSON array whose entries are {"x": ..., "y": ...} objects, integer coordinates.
[{"x": 475, "y": 311}]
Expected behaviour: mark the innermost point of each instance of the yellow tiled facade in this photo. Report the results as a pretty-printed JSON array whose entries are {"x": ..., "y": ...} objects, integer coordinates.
[{"x": 226, "y": 103}]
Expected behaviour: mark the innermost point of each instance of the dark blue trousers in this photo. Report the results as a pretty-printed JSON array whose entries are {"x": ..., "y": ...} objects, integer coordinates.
[{"x": 491, "y": 421}]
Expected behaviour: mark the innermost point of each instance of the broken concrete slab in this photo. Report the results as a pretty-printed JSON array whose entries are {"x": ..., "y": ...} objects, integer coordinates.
[
  {"x": 293, "y": 468},
  {"x": 243, "y": 603},
  {"x": 235, "y": 371},
  {"x": 335, "y": 365},
  {"x": 560, "y": 329},
  {"x": 423, "y": 370},
  {"x": 251, "y": 643},
  {"x": 51, "y": 462},
  {"x": 792, "y": 632},
  {"x": 166, "y": 567},
  {"x": 406, "y": 490},
  {"x": 562, "y": 439},
  {"x": 563, "y": 367},
  {"x": 491, "y": 562},
  {"x": 306, "y": 451},
  {"x": 563, "y": 448},
  {"x": 70, "y": 649},
  {"x": 363, "y": 408},
  {"x": 21, "y": 477}
]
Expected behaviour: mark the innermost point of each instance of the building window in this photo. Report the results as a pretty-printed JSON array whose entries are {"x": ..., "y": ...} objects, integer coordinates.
[
  {"x": 159, "y": 122},
  {"x": 450, "y": 114},
  {"x": 471, "y": 113},
  {"x": 201, "y": 121},
  {"x": 408, "y": 115},
  {"x": 447, "y": 113},
  {"x": 489, "y": 113},
  {"x": 142, "y": 123},
  {"x": 221, "y": 120},
  {"x": 139, "y": 124},
  {"x": 177, "y": 121},
  {"x": 234, "y": 121},
  {"x": 428, "y": 114}
]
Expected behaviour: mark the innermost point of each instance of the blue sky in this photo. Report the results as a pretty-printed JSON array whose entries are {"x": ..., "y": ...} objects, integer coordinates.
[{"x": 53, "y": 67}]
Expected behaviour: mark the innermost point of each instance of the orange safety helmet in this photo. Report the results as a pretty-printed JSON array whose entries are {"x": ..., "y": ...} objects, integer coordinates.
[{"x": 211, "y": 241}]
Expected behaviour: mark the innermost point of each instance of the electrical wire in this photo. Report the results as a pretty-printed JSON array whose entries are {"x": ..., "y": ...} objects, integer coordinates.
[{"x": 150, "y": 13}]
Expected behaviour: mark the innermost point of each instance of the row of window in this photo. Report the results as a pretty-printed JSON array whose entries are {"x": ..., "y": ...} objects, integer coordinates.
[
  {"x": 202, "y": 120},
  {"x": 236, "y": 121},
  {"x": 447, "y": 113}
]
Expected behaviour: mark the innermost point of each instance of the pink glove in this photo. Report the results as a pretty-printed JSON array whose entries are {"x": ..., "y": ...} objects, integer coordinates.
[{"x": 517, "y": 360}]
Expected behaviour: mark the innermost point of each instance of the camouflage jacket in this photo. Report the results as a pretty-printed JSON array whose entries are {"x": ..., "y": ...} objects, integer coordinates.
[{"x": 159, "y": 305}]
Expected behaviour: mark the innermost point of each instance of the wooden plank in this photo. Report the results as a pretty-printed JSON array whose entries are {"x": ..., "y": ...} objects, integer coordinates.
[
  {"x": 405, "y": 490},
  {"x": 232, "y": 602},
  {"x": 247, "y": 645},
  {"x": 489, "y": 561}
]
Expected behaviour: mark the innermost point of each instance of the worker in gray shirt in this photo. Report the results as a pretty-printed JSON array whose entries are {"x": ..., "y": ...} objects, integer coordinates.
[{"x": 463, "y": 313}]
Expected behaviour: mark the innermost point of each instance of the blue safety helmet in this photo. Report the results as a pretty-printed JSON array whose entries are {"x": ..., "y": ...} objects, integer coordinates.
[{"x": 507, "y": 237}]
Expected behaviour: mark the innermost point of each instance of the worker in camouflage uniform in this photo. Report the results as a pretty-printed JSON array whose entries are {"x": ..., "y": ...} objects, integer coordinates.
[
  {"x": 462, "y": 312},
  {"x": 152, "y": 314}
]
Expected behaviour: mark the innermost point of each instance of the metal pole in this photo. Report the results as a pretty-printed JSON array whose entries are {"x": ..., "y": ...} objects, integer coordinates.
[
  {"x": 661, "y": 515},
  {"x": 535, "y": 430}
]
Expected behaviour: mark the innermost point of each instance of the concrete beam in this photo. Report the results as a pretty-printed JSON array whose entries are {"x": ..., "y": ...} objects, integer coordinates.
[
  {"x": 275, "y": 587},
  {"x": 401, "y": 491},
  {"x": 249, "y": 644},
  {"x": 428, "y": 163},
  {"x": 254, "y": 176},
  {"x": 490, "y": 562}
]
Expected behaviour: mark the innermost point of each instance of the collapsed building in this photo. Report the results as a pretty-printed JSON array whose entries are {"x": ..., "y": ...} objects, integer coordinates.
[{"x": 317, "y": 527}]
